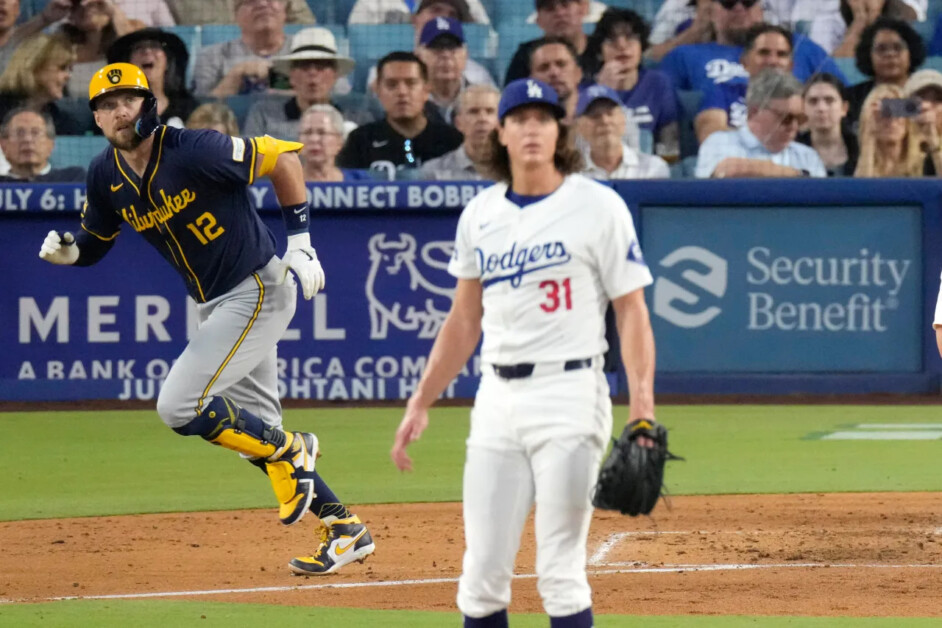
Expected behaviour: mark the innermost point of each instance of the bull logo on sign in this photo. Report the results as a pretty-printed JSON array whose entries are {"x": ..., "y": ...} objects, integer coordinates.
[{"x": 399, "y": 293}]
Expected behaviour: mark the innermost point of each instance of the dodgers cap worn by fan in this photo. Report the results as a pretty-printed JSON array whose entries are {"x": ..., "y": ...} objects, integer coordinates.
[
  {"x": 441, "y": 27},
  {"x": 528, "y": 91},
  {"x": 595, "y": 93}
]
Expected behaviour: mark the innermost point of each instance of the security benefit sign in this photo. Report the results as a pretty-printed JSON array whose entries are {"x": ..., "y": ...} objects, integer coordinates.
[
  {"x": 113, "y": 330},
  {"x": 785, "y": 290}
]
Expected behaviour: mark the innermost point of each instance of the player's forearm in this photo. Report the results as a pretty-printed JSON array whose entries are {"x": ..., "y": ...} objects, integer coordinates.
[
  {"x": 287, "y": 178},
  {"x": 452, "y": 349},
  {"x": 938, "y": 339},
  {"x": 637, "y": 351}
]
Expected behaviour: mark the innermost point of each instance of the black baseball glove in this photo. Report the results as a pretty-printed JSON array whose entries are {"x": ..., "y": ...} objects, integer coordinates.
[{"x": 631, "y": 479}]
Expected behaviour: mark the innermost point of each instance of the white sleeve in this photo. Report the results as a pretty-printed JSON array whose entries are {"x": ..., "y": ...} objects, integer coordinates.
[
  {"x": 621, "y": 265},
  {"x": 709, "y": 156},
  {"x": 937, "y": 322},
  {"x": 828, "y": 31},
  {"x": 463, "y": 263},
  {"x": 919, "y": 6}
]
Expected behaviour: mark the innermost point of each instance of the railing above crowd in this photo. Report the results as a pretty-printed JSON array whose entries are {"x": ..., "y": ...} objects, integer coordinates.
[{"x": 408, "y": 89}]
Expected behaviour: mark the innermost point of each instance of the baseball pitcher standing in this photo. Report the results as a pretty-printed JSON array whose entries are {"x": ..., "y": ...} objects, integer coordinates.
[
  {"x": 185, "y": 193},
  {"x": 538, "y": 257}
]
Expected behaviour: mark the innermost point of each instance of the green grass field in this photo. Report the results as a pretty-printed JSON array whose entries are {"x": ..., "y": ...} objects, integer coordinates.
[{"x": 103, "y": 463}]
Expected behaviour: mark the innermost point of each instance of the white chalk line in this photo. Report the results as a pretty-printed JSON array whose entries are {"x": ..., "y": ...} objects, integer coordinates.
[{"x": 635, "y": 569}]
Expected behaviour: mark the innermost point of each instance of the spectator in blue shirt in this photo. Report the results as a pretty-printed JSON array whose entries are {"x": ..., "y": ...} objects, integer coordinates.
[
  {"x": 935, "y": 47},
  {"x": 698, "y": 66},
  {"x": 613, "y": 55},
  {"x": 889, "y": 51},
  {"x": 724, "y": 105},
  {"x": 765, "y": 146}
]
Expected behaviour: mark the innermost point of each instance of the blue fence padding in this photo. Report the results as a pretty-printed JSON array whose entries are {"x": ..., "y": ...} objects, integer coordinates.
[
  {"x": 57, "y": 321},
  {"x": 76, "y": 150}
]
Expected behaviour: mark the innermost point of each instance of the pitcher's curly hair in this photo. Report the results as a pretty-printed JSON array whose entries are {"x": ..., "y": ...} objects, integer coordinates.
[{"x": 567, "y": 158}]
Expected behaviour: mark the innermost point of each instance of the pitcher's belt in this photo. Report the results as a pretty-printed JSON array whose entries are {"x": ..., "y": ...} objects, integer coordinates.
[{"x": 525, "y": 369}]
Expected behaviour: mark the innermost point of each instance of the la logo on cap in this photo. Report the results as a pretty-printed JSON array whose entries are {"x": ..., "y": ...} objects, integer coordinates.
[
  {"x": 534, "y": 90},
  {"x": 441, "y": 24}
]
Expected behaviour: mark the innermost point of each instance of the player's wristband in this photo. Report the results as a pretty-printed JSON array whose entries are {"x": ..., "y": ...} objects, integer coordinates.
[{"x": 297, "y": 218}]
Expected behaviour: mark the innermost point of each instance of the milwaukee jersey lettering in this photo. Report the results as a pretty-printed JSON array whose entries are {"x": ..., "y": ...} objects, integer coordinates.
[
  {"x": 191, "y": 204},
  {"x": 549, "y": 269}
]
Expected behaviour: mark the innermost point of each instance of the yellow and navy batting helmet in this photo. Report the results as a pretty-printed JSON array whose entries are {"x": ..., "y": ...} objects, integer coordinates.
[
  {"x": 125, "y": 76},
  {"x": 116, "y": 76}
]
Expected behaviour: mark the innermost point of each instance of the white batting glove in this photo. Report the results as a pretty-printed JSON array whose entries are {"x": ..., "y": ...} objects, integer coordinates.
[
  {"x": 59, "y": 248},
  {"x": 302, "y": 260}
]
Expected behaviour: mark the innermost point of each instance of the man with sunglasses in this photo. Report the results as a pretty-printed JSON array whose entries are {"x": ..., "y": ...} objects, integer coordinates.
[
  {"x": 700, "y": 66},
  {"x": 724, "y": 105},
  {"x": 398, "y": 145},
  {"x": 765, "y": 146}
]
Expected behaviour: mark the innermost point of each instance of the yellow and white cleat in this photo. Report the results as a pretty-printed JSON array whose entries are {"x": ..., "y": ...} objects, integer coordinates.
[{"x": 342, "y": 542}]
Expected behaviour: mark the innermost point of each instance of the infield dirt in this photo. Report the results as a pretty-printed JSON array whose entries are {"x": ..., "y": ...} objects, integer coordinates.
[{"x": 857, "y": 554}]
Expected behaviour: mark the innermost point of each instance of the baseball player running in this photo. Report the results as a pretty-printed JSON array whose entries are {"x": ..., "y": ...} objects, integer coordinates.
[
  {"x": 538, "y": 256},
  {"x": 185, "y": 192}
]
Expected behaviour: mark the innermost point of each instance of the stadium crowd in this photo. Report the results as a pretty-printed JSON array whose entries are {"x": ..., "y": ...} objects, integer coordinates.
[{"x": 408, "y": 89}]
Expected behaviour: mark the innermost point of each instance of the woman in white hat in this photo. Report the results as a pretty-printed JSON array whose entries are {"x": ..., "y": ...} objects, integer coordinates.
[{"x": 310, "y": 71}]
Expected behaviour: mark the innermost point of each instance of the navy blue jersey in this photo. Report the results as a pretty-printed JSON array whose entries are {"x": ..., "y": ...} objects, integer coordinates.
[
  {"x": 652, "y": 101},
  {"x": 191, "y": 204}
]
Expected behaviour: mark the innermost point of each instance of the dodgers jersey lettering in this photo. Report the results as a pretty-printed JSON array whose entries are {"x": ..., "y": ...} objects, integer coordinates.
[
  {"x": 192, "y": 205},
  {"x": 548, "y": 270}
]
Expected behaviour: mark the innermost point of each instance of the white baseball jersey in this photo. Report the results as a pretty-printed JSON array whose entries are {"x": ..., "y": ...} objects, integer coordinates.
[{"x": 548, "y": 269}]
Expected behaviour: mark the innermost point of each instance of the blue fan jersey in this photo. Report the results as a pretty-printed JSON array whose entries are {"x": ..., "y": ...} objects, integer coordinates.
[
  {"x": 700, "y": 66},
  {"x": 192, "y": 205}
]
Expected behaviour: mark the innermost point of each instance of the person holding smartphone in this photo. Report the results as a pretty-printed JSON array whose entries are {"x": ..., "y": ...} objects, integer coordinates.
[{"x": 890, "y": 140}]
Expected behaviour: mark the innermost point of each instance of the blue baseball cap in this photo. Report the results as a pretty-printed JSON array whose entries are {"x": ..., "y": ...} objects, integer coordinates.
[
  {"x": 441, "y": 27},
  {"x": 528, "y": 91},
  {"x": 593, "y": 93}
]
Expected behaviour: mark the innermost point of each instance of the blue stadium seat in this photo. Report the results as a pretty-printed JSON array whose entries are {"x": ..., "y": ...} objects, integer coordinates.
[
  {"x": 925, "y": 30},
  {"x": 645, "y": 8},
  {"x": 77, "y": 110},
  {"x": 848, "y": 66},
  {"x": 76, "y": 150},
  {"x": 373, "y": 41},
  {"x": 510, "y": 36},
  {"x": 932, "y": 63},
  {"x": 510, "y": 12},
  {"x": 215, "y": 33},
  {"x": 240, "y": 105},
  {"x": 332, "y": 11},
  {"x": 191, "y": 38},
  {"x": 685, "y": 168},
  {"x": 689, "y": 104},
  {"x": 481, "y": 40}
]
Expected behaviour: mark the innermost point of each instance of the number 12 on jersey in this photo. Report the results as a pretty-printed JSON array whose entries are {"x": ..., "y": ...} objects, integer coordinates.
[{"x": 553, "y": 300}]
